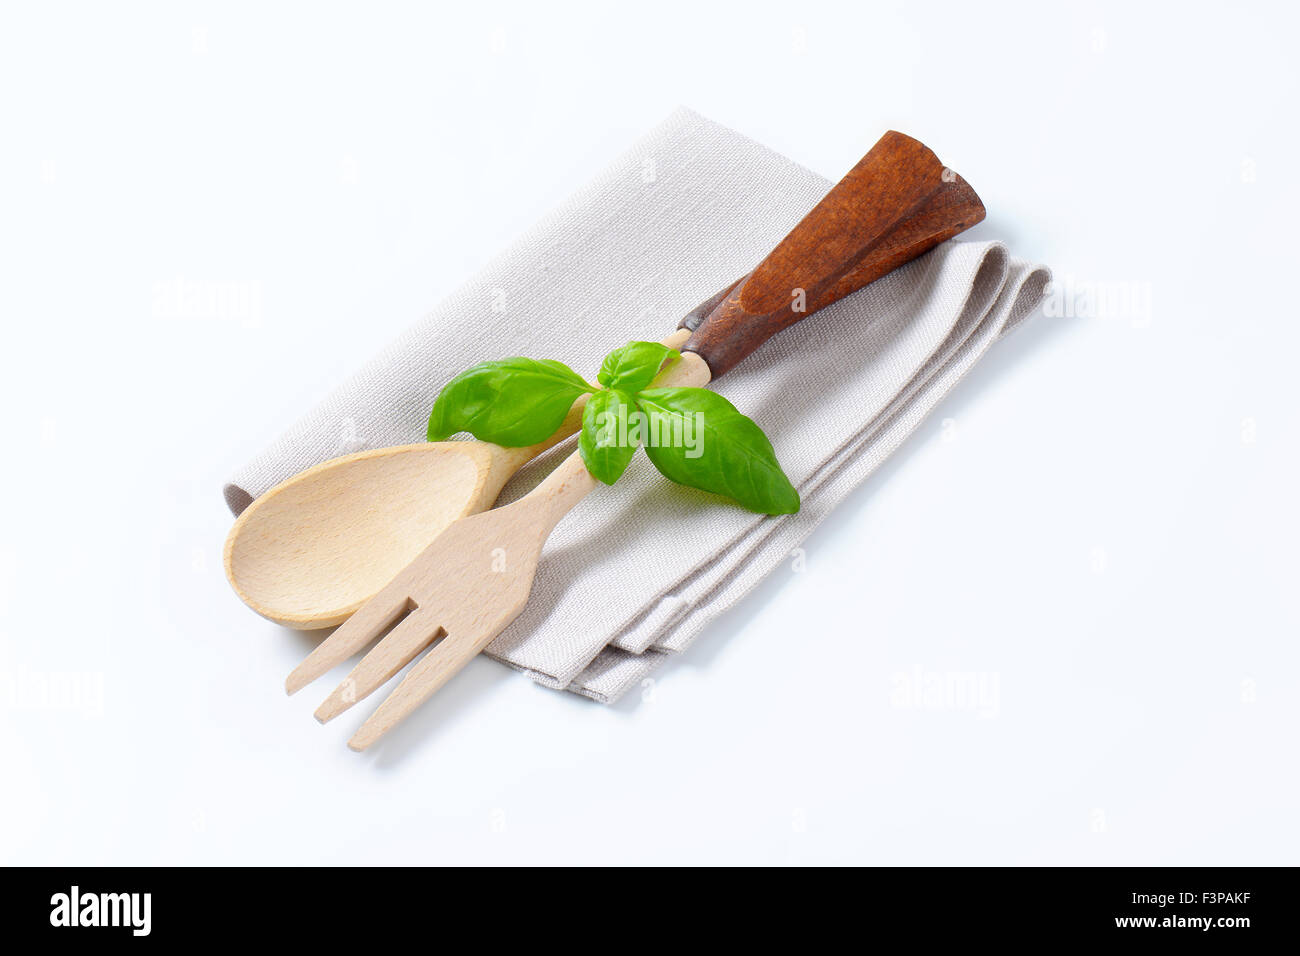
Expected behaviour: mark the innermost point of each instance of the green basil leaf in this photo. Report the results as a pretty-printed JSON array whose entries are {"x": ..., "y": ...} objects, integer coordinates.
[
  {"x": 634, "y": 366},
  {"x": 609, "y": 434},
  {"x": 513, "y": 401},
  {"x": 698, "y": 438}
]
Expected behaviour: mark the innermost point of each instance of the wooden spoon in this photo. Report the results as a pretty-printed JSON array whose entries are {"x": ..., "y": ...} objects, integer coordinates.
[{"x": 313, "y": 549}]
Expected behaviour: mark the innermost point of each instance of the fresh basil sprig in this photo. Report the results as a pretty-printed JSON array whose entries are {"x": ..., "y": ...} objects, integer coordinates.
[
  {"x": 692, "y": 435},
  {"x": 513, "y": 402},
  {"x": 633, "y": 366},
  {"x": 736, "y": 458},
  {"x": 605, "y": 451}
]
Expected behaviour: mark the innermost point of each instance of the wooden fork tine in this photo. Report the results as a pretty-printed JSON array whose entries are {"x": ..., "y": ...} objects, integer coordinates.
[
  {"x": 365, "y": 624},
  {"x": 435, "y": 669},
  {"x": 385, "y": 659}
]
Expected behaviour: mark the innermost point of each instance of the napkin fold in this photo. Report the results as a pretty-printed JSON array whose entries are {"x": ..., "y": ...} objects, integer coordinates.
[{"x": 638, "y": 569}]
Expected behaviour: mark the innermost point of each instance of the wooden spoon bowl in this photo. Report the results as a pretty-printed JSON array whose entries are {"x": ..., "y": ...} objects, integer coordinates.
[{"x": 316, "y": 547}]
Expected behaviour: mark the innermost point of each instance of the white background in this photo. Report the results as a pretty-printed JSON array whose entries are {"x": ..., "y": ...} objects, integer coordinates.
[{"x": 1099, "y": 525}]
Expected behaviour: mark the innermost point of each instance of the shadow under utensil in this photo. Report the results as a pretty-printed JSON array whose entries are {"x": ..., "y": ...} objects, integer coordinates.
[
  {"x": 455, "y": 701},
  {"x": 991, "y": 228},
  {"x": 306, "y": 641},
  {"x": 704, "y": 650}
]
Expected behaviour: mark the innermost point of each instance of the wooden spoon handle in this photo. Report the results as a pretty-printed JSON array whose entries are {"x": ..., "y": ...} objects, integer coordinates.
[{"x": 898, "y": 202}]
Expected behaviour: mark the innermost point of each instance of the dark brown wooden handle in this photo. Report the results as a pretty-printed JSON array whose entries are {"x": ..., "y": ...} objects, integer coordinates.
[
  {"x": 692, "y": 319},
  {"x": 898, "y": 202}
]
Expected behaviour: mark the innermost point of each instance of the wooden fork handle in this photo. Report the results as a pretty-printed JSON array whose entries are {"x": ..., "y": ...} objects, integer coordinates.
[{"x": 898, "y": 202}]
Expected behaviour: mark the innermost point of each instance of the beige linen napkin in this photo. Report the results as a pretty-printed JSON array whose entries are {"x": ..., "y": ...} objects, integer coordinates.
[{"x": 638, "y": 569}]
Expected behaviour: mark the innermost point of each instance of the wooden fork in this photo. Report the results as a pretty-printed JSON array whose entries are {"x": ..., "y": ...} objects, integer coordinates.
[{"x": 473, "y": 580}]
